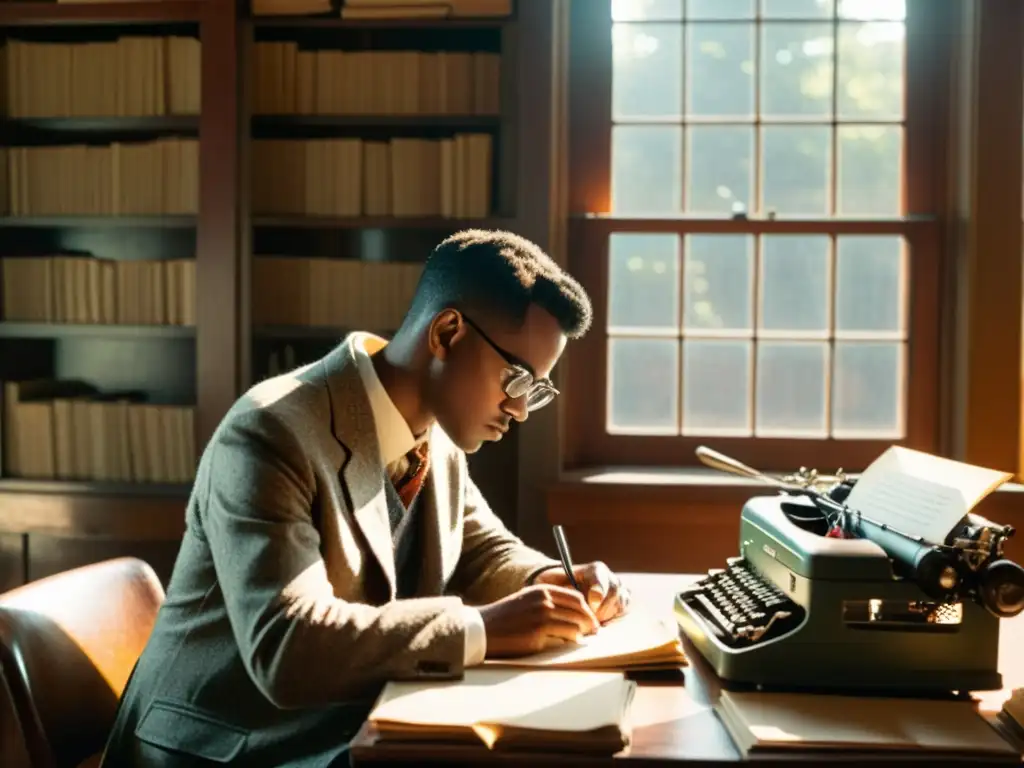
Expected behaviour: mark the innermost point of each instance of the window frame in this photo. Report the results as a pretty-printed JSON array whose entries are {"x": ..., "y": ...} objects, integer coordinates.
[{"x": 926, "y": 132}]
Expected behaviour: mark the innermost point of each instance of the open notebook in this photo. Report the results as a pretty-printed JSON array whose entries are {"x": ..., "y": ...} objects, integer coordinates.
[
  {"x": 774, "y": 722},
  {"x": 511, "y": 709},
  {"x": 637, "y": 640}
]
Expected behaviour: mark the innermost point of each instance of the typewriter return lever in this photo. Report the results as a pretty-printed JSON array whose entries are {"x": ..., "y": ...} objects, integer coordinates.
[{"x": 720, "y": 461}]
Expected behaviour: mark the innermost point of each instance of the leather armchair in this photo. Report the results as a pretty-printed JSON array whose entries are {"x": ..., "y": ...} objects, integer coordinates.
[{"x": 68, "y": 644}]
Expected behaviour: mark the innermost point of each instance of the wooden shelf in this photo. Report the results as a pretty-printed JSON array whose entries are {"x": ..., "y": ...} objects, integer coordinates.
[
  {"x": 418, "y": 122},
  {"x": 302, "y": 332},
  {"x": 13, "y": 127},
  {"x": 137, "y": 12},
  {"x": 438, "y": 223},
  {"x": 334, "y": 20},
  {"x": 20, "y": 330},
  {"x": 167, "y": 221},
  {"x": 130, "y": 511},
  {"x": 10, "y": 485}
]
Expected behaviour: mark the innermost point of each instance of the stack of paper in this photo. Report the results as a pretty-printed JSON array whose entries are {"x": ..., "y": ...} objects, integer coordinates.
[
  {"x": 635, "y": 641},
  {"x": 547, "y": 710},
  {"x": 777, "y": 722},
  {"x": 420, "y": 9},
  {"x": 1013, "y": 710},
  {"x": 290, "y": 7}
]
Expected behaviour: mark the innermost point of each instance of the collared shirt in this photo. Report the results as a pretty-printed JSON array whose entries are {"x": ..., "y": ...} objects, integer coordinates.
[
  {"x": 396, "y": 439},
  {"x": 393, "y": 434}
]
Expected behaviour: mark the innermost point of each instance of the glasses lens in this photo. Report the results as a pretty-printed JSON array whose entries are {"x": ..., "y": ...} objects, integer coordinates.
[
  {"x": 539, "y": 398},
  {"x": 518, "y": 384}
]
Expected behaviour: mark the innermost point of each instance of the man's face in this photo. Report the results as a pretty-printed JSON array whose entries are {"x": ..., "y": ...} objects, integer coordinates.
[{"x": 468, "y": 395}]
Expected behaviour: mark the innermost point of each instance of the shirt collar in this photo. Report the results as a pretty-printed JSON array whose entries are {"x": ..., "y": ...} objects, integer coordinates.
[{"x": 393, "y": 433}]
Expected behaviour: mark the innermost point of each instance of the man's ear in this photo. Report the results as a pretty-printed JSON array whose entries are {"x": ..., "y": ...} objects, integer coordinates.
[{"x": 445, "y": 331}]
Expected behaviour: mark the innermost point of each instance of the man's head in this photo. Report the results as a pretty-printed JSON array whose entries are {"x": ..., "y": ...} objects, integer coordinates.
[{"x": 493, "y": 313}]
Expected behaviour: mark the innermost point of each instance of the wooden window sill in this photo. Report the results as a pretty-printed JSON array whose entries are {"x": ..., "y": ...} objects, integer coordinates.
[{"x": 652, "y": 495}]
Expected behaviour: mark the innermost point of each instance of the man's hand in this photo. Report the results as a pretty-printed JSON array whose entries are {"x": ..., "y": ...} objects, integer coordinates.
[
  {"x": 534, "y": 618},
  {"x": 604, "y": 592}
]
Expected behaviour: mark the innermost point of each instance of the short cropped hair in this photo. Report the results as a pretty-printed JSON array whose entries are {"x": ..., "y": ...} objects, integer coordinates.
[{"x": 483, "y": 271}]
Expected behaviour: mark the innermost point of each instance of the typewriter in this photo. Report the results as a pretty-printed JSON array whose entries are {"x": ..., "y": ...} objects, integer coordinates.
[{"x": 874, "y": 609}]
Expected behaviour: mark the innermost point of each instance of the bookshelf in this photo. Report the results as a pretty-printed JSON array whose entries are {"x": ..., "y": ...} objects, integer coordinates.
[
  {"x": 280, "y": 221},
  {"x": 371, "y": 139},
  {"x": 99, "y": 202}
]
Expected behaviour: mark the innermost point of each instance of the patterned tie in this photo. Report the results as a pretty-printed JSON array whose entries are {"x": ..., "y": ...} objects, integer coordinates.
[{"x": 409, "y": 472}]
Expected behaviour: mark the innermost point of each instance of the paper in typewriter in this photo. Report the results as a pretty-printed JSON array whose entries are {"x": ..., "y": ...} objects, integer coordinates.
[
  {"x": 920, "y": 494},
  {"x": 506, "y": 708},
  {"x": 771, "y": 722},
  {"x": 638, "y": 640}
]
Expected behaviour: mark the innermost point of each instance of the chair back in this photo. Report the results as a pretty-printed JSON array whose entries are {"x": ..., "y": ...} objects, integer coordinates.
[{"x": 68, "y": 644}]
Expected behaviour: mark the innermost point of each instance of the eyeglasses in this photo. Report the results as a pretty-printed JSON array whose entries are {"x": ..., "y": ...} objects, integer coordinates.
[{"x": 519, "y": 381}]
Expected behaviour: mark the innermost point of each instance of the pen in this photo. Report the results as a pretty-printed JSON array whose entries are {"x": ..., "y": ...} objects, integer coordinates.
[{"x": 565, "y": 557}]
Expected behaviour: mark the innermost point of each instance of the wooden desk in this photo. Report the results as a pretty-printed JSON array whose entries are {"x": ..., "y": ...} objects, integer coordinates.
[{"x": 673, "y": 720}]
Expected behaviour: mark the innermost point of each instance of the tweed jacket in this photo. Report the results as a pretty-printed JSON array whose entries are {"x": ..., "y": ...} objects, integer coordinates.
[{"x": 281, "y": 623}]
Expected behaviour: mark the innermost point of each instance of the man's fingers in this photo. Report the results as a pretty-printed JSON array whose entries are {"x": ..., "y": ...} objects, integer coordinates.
[
  {"x": 571, "y": 599},
  {"x": 596, "y": 596},
  {"x": 609, "y": 607},
  {"x": 565, "y": 616},
  {"x": 564, "y": 626}
]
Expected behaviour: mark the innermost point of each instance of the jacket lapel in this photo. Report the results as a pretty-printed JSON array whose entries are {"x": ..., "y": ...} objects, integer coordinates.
[{"x": 362, "y": 474}]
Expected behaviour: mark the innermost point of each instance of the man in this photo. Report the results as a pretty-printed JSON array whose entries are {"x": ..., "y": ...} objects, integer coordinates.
[{"x": 335, "y": 540}]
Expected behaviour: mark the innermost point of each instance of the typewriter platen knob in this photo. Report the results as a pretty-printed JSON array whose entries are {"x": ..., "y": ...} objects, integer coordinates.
[{"x": 1001, "y": 588}]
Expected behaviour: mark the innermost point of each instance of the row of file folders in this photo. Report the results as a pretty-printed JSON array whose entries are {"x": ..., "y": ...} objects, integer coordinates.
[
  {"x": 291, "y": 80},
  {"x": 83, "y": 289},
  {"x": 135, "y": 76},
  {"x": 67, "y": 430},
  {"x": 132, "y": 178},
  {"x": 450, "y": 177},
  {"x": 339, "y": 293},
  {"x": 131, "y": 76}
]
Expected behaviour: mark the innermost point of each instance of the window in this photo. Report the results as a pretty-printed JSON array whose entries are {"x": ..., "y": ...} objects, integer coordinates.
[{"x": 756, "y": 194}]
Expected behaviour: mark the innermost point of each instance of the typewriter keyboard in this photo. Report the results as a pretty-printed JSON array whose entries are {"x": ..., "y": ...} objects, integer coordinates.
[{"x": 741, "y": 607}]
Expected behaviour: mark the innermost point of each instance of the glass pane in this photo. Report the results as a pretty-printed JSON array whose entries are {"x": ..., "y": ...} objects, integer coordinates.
[
  {"x": 644, "y": 385},
  {"x": 628, "y": 10},
  {"x": 873, "y": 9},
  {"x": 720, "y": 70},
  {"x": 718, "y": 278},
  {"x": 790, "y": 393},
  {"x": 797, "y": 9},
  {"x": 716, "y": 387},
  {"x": 794, "y": 283},
  {"x": 796, "y": 164},
  {"x": 796, "y": 70},
  {"x": 647, "y": 173},
  {"x": 870, "y": 283},
  {"x": 720, "y": 169},
  {"x": 868, "y": 390},
  {"x": 869, "y": 170},
  {"x": 720, "y": 9},
  {"x": 647, "y": 70},
  {"x": 871, "y": 71},
  {"x": 643, "y": 281}
]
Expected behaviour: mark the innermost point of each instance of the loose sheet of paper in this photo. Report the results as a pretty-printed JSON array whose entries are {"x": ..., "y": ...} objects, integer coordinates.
[{"x": 920, "y": 494}]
